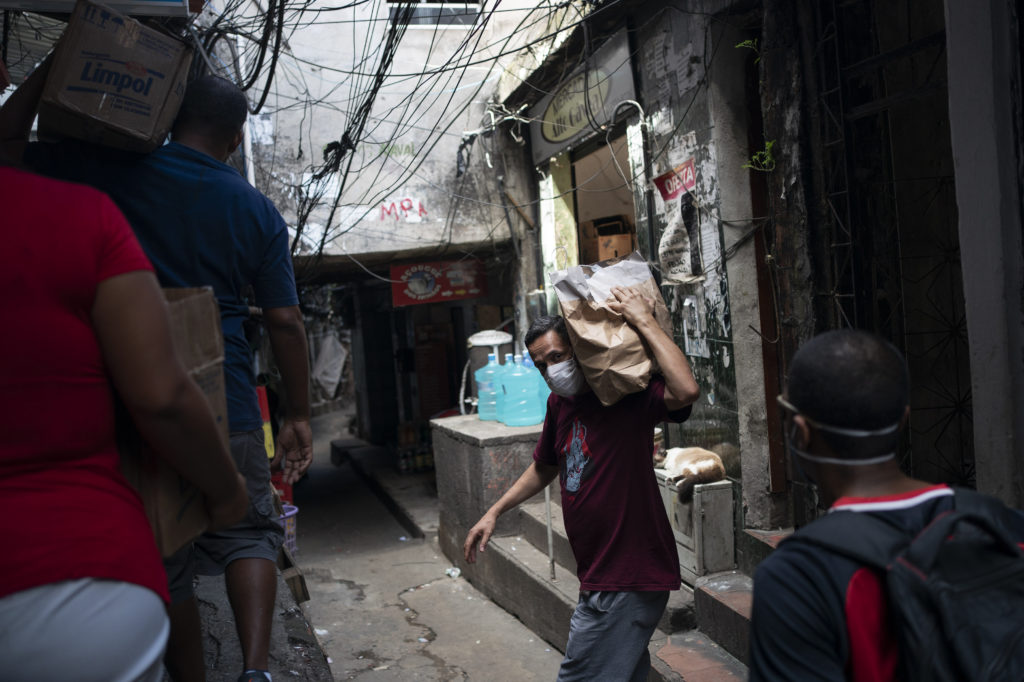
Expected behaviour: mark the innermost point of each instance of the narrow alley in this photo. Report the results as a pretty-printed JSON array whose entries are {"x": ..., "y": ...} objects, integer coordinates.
[
  {"x": 313, "y": 297},
  {"x": 381, "y": 603}
]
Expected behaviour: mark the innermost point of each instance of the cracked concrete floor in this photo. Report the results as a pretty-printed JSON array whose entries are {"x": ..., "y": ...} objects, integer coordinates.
[{"x": 381, "y": 603}]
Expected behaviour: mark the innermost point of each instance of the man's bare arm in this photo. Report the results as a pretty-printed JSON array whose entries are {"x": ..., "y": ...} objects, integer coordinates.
[
  {"x": 288, "y": 341},
  {"x": 681, "y": 388},
  {"x": 533, "y": 480}
]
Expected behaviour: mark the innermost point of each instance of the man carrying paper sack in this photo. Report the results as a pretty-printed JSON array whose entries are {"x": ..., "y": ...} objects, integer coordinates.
[
  {"x": 615, "y": 357},
  {"x": 614, "y": 517}
]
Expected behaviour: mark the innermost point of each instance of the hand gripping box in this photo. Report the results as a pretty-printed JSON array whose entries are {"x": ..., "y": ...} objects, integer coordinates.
[
  {"x": 113, "y": 81},
  {"x": 176, "y": 509}
]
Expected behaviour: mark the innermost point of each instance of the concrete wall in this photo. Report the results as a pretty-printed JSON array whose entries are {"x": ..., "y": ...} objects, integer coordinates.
[
  {"x": 727, "y": 97},
  {"x": 401, "y": 192},
  {"x": 985, "y": 114},
  {"x": 673, "y": 51},
  {"x": 475, "y": 463}
]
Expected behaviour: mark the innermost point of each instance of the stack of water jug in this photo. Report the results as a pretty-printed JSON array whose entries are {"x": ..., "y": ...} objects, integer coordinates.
[{"x": 514, "y": 393}]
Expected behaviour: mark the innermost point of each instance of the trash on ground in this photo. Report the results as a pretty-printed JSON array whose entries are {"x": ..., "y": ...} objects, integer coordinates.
[{"x": 453, "y": 571}]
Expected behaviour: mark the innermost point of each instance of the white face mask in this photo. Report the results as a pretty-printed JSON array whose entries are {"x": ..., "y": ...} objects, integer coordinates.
[{"x": 565, "y": 378}]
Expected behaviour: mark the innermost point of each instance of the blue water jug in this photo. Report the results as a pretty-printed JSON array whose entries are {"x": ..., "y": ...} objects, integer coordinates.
[
  {"x": 499, "y": 386},
  {"x": 522, "y": 408},
  {"x": 543, "y": 390},
  {"x": 486, "y": 389}
]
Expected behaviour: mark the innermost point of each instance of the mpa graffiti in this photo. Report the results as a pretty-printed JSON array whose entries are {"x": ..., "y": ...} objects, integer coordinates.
[{"x": 407, "y": 209}]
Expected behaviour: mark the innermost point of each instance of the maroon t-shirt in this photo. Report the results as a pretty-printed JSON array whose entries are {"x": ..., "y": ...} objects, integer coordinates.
[{"x": 614, "y": 516}]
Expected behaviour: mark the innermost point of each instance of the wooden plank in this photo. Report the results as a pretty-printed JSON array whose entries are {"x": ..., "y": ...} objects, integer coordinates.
[{"x": 292, "y": 575}]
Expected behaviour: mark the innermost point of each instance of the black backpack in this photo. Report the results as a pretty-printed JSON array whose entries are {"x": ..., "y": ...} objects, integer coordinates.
[{"x": 955, "y": 591}]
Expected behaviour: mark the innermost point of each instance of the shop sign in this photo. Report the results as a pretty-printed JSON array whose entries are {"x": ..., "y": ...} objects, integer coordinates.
[
  {"x": 437, "y": 282},
  {"x": 682, "y": 178},
  {"x": 567, "y": 111},
  {"x": 178, "y": 8},
  {"x": 583, "y": 102}
]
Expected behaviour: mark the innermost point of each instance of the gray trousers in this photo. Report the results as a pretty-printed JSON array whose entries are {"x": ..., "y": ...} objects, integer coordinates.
[{"x": 608, "y": 636}]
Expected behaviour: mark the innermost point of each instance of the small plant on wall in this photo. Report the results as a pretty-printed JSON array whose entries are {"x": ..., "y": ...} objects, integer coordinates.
[
  {"x": 763, "y": 160},
  {"x": 750, "y": 45}
]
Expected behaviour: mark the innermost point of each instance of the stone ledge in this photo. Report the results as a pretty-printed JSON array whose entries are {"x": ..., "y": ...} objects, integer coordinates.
[
  {"x": 691, "y": 656},
  {"x": 723, "y": 603},
  {"x": 470, "y": 429}
]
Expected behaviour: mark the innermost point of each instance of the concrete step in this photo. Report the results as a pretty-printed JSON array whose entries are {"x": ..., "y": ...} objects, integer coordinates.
[
  {"x": 517, "y": 576},
  {"x": 340, "y": 448},
  {"x": 692, "y": 656},
  {"x": 679, "y": 614},
  {"x": 753, "y": 546},
  {"x": 723, "y": 602},
  {"x": 533, "y": 527}
]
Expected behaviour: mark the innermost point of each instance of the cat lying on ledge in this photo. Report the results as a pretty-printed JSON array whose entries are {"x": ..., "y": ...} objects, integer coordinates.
[{"x": 686, "y": 467}]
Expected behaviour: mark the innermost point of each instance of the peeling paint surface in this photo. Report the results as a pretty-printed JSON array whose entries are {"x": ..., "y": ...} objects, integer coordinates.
[{"x": 679, "y": 125}]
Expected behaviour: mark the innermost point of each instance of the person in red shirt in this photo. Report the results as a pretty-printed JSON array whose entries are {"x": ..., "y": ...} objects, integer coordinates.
[
  {"x": 614, "y": 517},
  {"x": 82, "y": 586}
]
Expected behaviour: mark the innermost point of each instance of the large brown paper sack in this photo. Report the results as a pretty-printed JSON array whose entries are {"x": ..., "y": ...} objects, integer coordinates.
[{"x": 614, "y": 358}]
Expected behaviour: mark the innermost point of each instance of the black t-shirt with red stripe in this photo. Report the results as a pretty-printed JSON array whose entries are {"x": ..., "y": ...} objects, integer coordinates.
[{"x": 821, "y": 616}]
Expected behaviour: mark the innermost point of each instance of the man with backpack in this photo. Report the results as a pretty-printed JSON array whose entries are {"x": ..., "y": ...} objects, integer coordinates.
[{"x": 902, "y": 579}]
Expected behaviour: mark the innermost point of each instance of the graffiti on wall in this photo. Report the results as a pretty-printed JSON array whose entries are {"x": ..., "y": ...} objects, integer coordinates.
[{"x": 407, "y": 209}]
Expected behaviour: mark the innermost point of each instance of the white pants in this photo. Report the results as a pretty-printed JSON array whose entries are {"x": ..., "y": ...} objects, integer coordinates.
[{"x": 85, "y": 630}]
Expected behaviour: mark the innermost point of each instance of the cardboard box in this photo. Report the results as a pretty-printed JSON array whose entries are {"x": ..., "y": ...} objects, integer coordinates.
[
  {"x": 605, "y": 238},
  {"x": 176, "y": 509},
  {"x": 614, "y": 246},
  {"x": 113, "y": 81},
  {"x": 588, "y": 250}
]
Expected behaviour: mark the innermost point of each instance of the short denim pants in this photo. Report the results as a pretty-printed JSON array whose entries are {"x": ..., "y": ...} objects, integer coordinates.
[{"x": 258, "y": 536}]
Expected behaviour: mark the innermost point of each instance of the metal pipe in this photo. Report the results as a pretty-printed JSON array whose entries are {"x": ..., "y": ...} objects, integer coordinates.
[{"x": 551, "y": 539}]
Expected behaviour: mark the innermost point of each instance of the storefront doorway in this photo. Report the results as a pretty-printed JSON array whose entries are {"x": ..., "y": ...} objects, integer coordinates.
[{"x": 603, "y": 200}]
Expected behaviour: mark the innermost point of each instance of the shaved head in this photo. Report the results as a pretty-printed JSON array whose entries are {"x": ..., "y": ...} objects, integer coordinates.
[
  {"x": 213, "y": 107},
  {"x": 850, "y": 379}
]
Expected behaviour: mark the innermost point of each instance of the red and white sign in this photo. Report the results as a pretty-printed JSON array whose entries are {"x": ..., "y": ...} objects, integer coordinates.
[
  {"x": 437, "y": 282},
  {"x": 682, "y": 178}
]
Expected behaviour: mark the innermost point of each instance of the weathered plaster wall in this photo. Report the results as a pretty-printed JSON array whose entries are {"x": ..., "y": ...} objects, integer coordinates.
[
  {"x": 985, "y": 115},
  {"x": 672, "y": 64},
  {"x": 402, "y": 192},
  {"x": 728, "y": 100}
]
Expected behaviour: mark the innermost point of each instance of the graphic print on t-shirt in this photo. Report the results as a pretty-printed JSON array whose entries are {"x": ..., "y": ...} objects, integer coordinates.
[{"x": 577, "y": 456}]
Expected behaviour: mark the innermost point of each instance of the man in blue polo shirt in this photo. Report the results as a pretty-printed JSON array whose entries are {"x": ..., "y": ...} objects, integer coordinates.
[{"x": 202, "y": 224}]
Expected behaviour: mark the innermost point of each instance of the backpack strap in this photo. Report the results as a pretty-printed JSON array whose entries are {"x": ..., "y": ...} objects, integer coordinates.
[
  {"x": 965, "y": 499},
  {"x": 992, "y": 510},
  {"x": 860, "y": 536}
]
